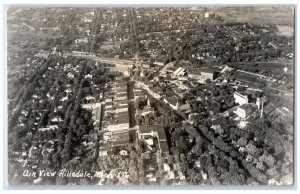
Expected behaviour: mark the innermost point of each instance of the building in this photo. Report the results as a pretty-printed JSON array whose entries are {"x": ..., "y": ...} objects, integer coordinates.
[
  {"x": 162, "y": 140},
  {"x": 119, "y": 122},
  {"x": 240, "y": 99},
  {"x": 244, "y": 110},
  {"x": 49, "y": 128},
  {"x": 179, "y": 72},
  {"x": 120, "y": 138},
  {"x": 158, "y": 131},
  {"x": 185, "y": 107},
  {"x": 173, "y": 102},
  {"x": 97, "y": 114},
  {"x": 115, "y": 138},
  {"x": 209, "y": 15},
  {"x": 201, "y": 75},
  {"x": 104, "y": 148},
  {"x": 145, "y": 132},
  {"x": 226, "y": 69},
  {"x": 81, "y": 40},
  {"x": 269, "y": 108},
  {"x": 147, "y": 109}
]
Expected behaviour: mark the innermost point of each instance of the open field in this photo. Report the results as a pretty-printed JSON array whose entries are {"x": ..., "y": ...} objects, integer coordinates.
[
  {"x": 285, "y": 30},
  {"x": 259, "y": 15}
]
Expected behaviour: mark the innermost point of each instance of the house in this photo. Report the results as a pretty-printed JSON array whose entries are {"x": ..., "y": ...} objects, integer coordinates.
[{"x": 124, "y": 152}]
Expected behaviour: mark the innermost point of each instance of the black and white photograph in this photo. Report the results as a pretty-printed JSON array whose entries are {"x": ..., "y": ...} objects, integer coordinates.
[{"x": 150, "y": 95}]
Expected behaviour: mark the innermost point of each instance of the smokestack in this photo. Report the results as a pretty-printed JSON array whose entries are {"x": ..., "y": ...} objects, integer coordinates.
[{"x": 262, "y": 107}]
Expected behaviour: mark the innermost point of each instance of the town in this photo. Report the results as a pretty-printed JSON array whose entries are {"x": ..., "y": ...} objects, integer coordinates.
[{"x": 150, "y": 96}]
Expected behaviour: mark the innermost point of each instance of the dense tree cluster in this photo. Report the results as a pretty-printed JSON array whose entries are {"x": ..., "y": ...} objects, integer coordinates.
[{"x": 41, "y": 104}]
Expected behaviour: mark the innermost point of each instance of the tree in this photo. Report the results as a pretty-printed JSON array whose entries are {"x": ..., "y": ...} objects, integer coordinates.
[{"x": 242, "y": 142}]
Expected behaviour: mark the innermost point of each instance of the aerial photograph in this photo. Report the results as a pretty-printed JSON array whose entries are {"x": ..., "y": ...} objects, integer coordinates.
[{"x": 146, "y": 96}]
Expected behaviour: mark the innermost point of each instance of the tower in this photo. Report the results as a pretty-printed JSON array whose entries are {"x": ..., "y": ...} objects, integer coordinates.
[
  {"x": 262, "y": 107},
  {"x": 258, "y": 103}
]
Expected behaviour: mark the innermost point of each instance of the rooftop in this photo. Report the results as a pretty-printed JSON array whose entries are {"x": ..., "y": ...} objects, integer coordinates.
[
  {"x": 245, "y": 107},
  {"x": 161, "y": 133},
  {"x": 120, "y": 138},
  {"x": 163, "y": 146},
  {"x": 148, "y": 129}
]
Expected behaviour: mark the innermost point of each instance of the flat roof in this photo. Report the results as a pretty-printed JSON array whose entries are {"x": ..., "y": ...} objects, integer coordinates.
[
  {"x": 163, "y": 146},
  {"x": 161, "y": 133},
  {"x": 194, "y": 70},
  {"x": 120, "y": 138}
]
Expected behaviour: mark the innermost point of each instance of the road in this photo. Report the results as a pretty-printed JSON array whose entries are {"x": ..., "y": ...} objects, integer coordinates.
[
  {"x": 31, "y": 28},
  {"x": 146, "y": 87},
  {"x": 100, "y": 59},
  {"x": 259, "y": 75},
  {"x": 282, "y": 91}
]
